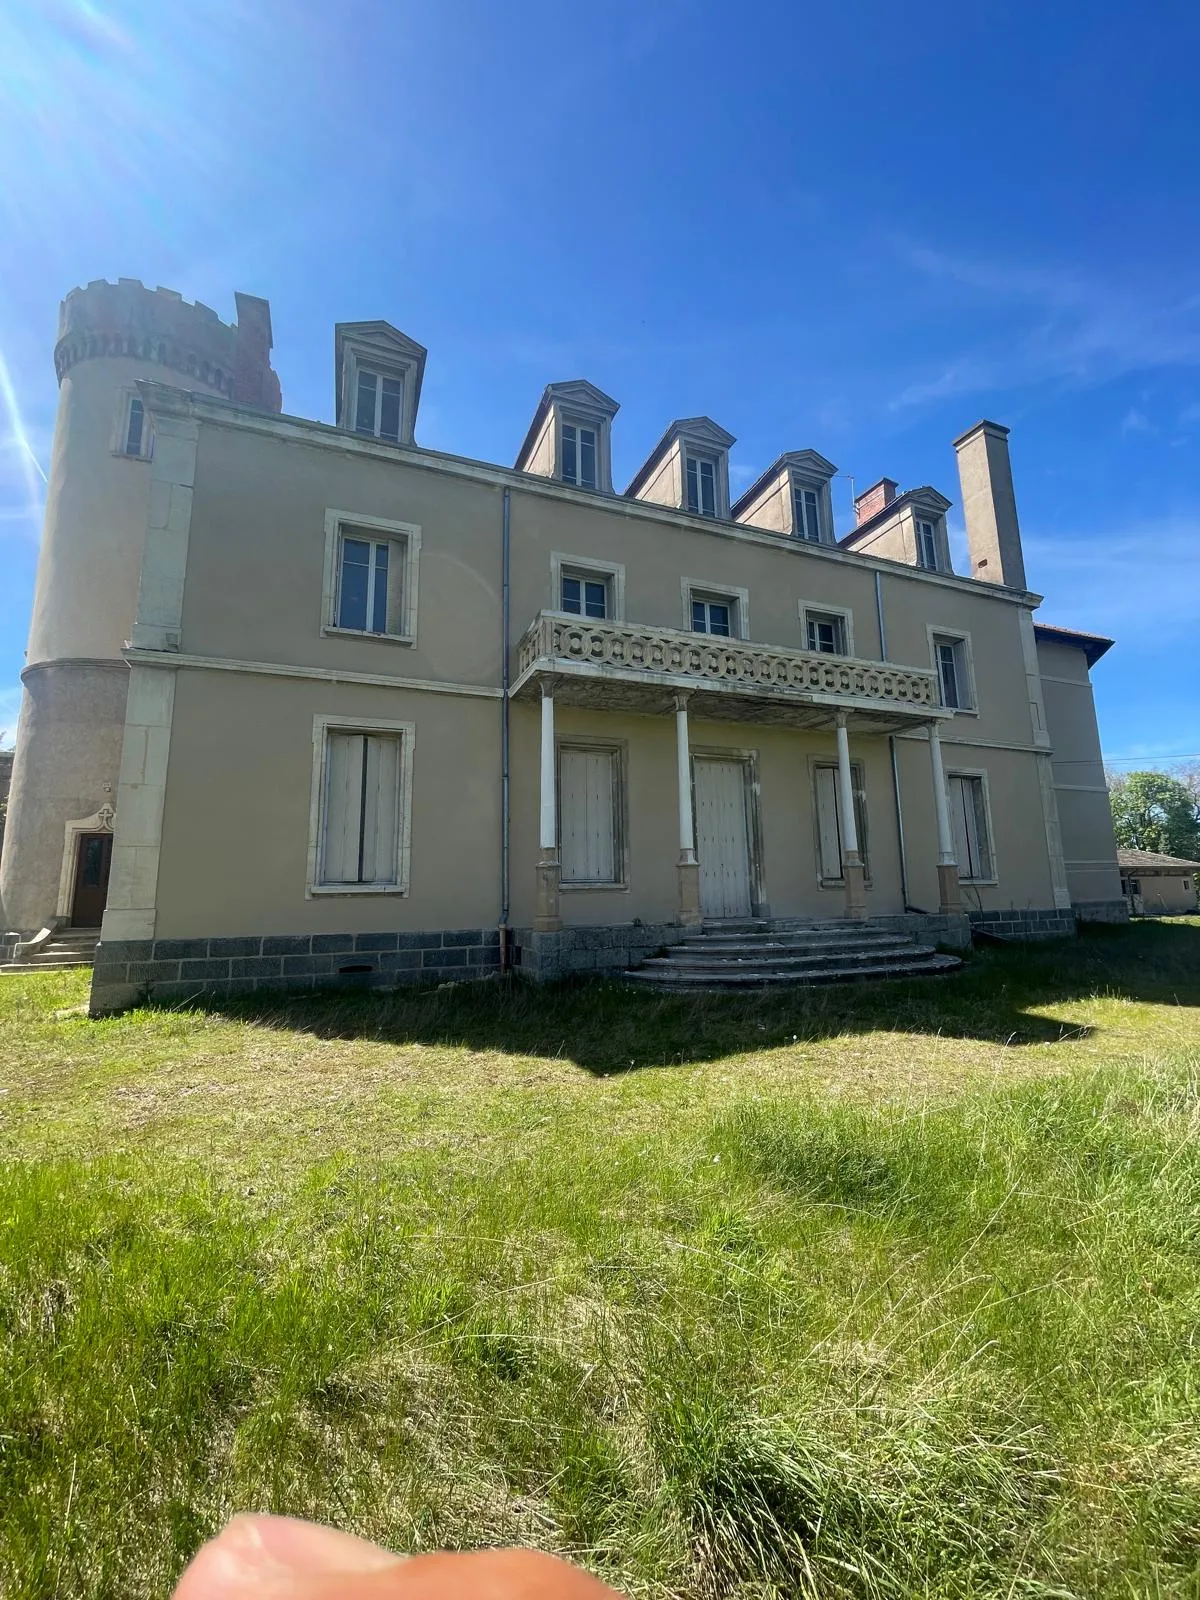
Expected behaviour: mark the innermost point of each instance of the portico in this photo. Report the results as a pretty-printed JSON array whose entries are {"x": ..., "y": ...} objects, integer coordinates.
[{"x": 691, "y": 678}]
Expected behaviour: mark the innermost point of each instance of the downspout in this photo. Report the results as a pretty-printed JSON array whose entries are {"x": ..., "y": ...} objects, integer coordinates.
[
  {"x": 883, "y": 655},
  {"x": 505, "y": 565}
]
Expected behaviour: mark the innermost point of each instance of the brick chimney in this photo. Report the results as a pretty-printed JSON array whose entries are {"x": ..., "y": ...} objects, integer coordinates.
[
  {"x": 874, "y": 499},
  {"x": 990, "y": 506}
]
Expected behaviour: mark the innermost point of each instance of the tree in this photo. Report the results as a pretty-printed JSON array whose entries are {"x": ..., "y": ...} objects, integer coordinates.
[{"x": 1153, "y": 811}]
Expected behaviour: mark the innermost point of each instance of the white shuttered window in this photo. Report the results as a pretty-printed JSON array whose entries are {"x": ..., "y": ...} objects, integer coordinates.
[
  {"x": 361, "y": 809},
  {"x": 829, "y": 822},
  {"x": 588, "y": 783},
  {"x": 968, "y": 819}
]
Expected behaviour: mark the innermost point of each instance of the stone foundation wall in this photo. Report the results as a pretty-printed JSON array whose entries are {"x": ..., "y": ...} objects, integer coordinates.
[
  {"x": 170, "y": 970},
  {"x": 1101, "y": 910},
  {"x": 1015, "y": 922},
  {"x": 545, "y": 956}
]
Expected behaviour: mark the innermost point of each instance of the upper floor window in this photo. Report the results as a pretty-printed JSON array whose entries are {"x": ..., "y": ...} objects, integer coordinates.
[
  {"x": 371, "y": 577},
  {"x": 585, "y": 594},
  {"x": 951, "y": 661},
  {"x": 807, "y": 506},
  {"x": 378, "y": 405},
  {"x": 578, "y": 455},
  {"x": 702, "y": 485},
  {"x": 827, "y": 633},
  {"x": 927, "y": 545}
]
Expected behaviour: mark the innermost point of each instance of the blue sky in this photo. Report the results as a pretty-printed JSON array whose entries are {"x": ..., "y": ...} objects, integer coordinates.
[{"x": 856, "y": 228}]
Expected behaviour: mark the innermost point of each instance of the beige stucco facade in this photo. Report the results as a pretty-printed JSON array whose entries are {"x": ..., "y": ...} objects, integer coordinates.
[{"x": 243, "y": 674}]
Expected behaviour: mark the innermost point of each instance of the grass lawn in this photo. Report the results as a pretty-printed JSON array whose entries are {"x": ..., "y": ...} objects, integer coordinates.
[{"x": 883, "y": 1291}]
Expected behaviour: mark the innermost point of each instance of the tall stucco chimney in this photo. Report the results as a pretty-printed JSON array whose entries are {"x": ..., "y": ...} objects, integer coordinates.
[{"x": 990, "y": 506}]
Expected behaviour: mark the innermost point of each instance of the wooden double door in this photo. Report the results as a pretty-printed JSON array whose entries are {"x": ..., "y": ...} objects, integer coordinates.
[{"x": 723, "y": 838}]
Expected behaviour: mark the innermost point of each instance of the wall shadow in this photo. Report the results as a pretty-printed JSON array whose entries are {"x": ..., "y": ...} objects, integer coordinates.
[{"x": 607, "y": 1027}]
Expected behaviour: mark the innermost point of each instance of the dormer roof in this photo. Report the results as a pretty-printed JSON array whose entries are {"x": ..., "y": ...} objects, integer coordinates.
[
  {"x": 388, "y": 345},
  {"x": 576, "y": 394},
  {"x": 700, "y": 431},
  {"x": 808, "y": 463}
]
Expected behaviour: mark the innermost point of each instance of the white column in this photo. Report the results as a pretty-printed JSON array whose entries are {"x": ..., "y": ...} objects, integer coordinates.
[
  {"x": 941, "y": 803},
  {"x": 846, "y": 788},
  {"x": 687, "y": 833},
  {"x": 548, "y": 836}
]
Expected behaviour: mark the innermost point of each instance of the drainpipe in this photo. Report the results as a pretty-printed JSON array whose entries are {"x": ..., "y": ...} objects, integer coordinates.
[
  {"x": 883, "y": 655},
  {"x": 505, "y": 564}
]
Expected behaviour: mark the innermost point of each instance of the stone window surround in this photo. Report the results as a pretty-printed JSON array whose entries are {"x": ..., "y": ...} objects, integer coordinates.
[
  {"x": 936, "y": 635},
  {"x": 819, "y": 608},
  {"x": 323, "y": 724},
  {"x": 364, "y": 354},
  {"x": 407, "y": 534},
  {"x": 799, "y": 481},
  {"x": 619, "y": 749},
  {"x": 981, "y": 773},
  {"x": 739, "y": 600},
  {"x": 613, "y": 573}
]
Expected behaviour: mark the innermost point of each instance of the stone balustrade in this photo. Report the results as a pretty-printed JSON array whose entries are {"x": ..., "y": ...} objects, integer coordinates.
[{"x": 622, "y": 649}]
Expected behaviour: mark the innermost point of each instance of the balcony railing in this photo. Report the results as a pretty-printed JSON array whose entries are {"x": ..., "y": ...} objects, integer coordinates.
[{"x": 630, "y": 652}]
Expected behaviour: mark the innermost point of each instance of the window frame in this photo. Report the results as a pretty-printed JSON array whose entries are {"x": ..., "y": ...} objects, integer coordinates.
[
  {"x": 935, "y": 534},
  {"x": 977, "y": 774},
  {"x": 801, "y": 487},
  {"x": 580, "y": 424},
  {"x": 406, "y": 732},
  {"x": 956, "y": 636},
  {"x": 618, "y": 750},
  {"x": 709, "y": 459},
  {"x": 861, "y": 816},
  {"x": 587, "y": 570},
  {"x": 844, "y": 613},
  {"x": 738, "y": 600},
  {"x": 127, "y": 399},
  {"x": 378, "y": 530},
  {"x": 381, "y": 376}
]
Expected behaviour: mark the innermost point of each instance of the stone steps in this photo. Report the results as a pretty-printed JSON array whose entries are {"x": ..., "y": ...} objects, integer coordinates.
[
  {"x": 74, "y": 947},
  {"x": 818, "y": 953}
]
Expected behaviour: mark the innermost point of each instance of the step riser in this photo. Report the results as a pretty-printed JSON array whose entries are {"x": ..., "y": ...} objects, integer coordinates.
[
  {"x": 702, "y": 982},
  {"x": 791, "y": 947},
  {"x": 816, "y": 964}
]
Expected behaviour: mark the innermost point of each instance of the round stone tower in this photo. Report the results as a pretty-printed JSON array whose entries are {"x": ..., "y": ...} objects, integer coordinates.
[{"x": 69, "y": 737}]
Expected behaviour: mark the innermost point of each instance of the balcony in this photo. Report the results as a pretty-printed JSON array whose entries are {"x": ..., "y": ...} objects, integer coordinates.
[{"x": 617, "y": 666}]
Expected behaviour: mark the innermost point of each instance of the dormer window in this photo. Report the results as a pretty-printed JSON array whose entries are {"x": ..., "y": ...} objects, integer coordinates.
[
  {"x": 378, "y": 406},
  {"x": 806, "y": 507},
  {"x": 702, "y": 485},
  {"x": 577, "y": 454},
  {"x": 379, "y": 372},
  {"x": 570, "y": 437},
  {"x": 688, "y": 470}
]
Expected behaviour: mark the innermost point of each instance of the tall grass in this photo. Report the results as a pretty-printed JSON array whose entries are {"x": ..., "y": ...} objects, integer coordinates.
[{"x": 795, "y": 1348}]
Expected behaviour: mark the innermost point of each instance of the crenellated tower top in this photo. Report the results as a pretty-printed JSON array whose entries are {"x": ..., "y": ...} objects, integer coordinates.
[{"x": 159, "y": 326}]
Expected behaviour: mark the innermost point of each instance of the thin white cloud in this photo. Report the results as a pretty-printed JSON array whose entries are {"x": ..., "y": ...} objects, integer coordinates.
[
  {"x": 1135, "y": 421},
  {"x": 1099, "y": 583},
  {"x": 1046, "y": 325}
]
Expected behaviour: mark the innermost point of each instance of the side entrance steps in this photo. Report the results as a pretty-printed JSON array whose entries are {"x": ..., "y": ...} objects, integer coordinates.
[
  {"x": 55, "y": 951},
  {"x": 755, "y": 955}
]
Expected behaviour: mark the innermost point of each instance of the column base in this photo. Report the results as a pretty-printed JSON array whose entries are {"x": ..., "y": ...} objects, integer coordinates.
[
  {"x": 949, "y": 893},
  {"x": 689, "y": 894},
  {"x": 856, "y": 888},
  {"x": 547, "y": 918}
]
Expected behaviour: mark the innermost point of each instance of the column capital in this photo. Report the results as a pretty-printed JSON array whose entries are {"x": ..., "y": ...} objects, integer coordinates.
[
  {"x": 841, "y": 718},
  {"x": 681, "y": 699}
]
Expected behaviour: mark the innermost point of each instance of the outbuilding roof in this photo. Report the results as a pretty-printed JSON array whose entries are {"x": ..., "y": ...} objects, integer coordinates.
[{"x": 1150, "y": 861}]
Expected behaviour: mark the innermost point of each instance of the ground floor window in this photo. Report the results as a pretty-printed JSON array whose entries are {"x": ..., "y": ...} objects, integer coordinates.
[
  {"x": 589, "y": 813},
  {"x": 830, "y": 863},
  {"x": 969, "y": 821},
  {"x": 362, "y": 821}
]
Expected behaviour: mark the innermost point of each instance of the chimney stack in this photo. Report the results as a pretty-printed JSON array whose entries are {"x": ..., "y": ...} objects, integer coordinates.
[
  {"x": 874, "y": 499},
  {"x": 990, "y": 506}
]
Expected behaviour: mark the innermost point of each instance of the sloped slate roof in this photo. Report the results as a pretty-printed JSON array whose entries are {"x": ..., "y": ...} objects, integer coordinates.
[{"x": 1151, "y": 861}]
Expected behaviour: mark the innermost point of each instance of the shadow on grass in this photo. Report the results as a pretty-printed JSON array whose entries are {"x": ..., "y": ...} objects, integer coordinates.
[{"x": 607, "y": 1027}]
